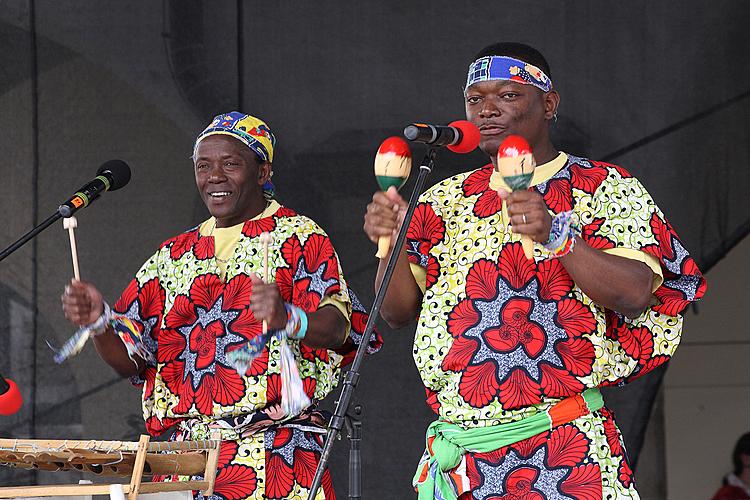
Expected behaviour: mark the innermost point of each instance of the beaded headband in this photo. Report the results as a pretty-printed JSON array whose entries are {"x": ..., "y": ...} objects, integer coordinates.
[{"x": 507, "y": 68}]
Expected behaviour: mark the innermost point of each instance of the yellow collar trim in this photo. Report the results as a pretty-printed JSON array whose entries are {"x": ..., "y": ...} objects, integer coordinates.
[{"x": 206, "y": 226}]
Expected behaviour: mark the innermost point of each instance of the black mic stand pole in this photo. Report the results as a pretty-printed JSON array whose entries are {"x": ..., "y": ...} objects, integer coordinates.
[
  {"x": 64, "y": 210},
  {"x": 26, "y": 237},
  {"x": 354, "y": 432},
  {"x": 352, "y": 376}
]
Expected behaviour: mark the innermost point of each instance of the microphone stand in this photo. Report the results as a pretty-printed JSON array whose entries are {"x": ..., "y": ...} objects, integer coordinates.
[
  {"x": 63, "y": 210},
  {"x": 354, "y": 432},
  {"x": 26, "y": 237},
  {"x": 352, "y": 376}
]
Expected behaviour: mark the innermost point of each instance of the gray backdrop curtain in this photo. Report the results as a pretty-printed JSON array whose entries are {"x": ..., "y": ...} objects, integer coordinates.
[{"x": 659, "y": 87}]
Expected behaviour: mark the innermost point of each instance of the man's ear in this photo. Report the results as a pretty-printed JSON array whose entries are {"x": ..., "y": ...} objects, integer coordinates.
[
  {"x": 264, "y": 172},
  {"x": 551, "y": 102}
]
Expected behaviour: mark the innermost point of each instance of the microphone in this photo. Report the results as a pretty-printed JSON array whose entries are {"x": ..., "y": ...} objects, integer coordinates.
[
  {"x": 112, "y": 175},
  {"x": 10, "y": 397},
  {"x": 460, "y": 136}
]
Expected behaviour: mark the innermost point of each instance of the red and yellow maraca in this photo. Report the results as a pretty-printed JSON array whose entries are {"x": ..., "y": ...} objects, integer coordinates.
[
  {"x": 392, "y": 168},
  {"x": 515, "y": 162}
]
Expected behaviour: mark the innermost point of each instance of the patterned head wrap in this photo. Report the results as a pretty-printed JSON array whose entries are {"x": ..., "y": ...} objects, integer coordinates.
[
  {"x": 507, "y": 68},
  {"x": 251, "y": 131}
]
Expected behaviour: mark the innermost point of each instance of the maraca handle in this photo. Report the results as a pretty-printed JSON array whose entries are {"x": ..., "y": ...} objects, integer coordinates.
[
  {"x": 384, "y": 244},
  {"x": 528, "y": 246}
]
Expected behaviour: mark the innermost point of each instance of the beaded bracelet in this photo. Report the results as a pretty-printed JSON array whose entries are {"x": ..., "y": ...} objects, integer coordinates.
[
  {"x": 562, "y": 234},
  {"x": 296, "y": 322},
  {"x": 102, "y": 322}
]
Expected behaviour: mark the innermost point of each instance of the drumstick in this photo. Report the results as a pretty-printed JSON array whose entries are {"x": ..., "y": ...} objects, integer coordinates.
[
  {"x": 70, "y": 223},
  {"x": 265, "y": 240}
]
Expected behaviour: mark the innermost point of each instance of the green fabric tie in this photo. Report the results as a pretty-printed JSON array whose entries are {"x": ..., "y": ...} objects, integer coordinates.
[{"x": 452, "y": 442}]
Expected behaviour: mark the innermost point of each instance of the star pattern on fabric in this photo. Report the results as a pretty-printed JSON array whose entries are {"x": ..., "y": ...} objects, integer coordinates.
[
  {"x": 205, "y": 318},
  {"x": 541, "y": 315},
  {"x": 134, "y": 311},
  {"x": 318, "y": 283},
  {"x": 530, "y": 474},
  {"x": 289, "y": 442}
]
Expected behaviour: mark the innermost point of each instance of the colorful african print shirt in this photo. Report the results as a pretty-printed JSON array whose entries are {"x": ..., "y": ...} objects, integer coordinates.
[
  {"x": 501, "y": 337},
  {"x": 190, "y": 318}
]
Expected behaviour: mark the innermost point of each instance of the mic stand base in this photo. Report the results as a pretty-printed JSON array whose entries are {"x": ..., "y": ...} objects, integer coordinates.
[{"x": 354, "y": 432}]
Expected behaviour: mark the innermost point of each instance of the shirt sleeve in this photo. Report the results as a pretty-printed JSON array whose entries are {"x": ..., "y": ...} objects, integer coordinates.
[
  {"x": 426, "y": 230},
  {"x": 312, "y": 277},
  {"x": 624, "y": 220},
  {"x": 138, "y": 316},
  {"x": 641, "y": 256},
  {"x": 340, "y": 305}
]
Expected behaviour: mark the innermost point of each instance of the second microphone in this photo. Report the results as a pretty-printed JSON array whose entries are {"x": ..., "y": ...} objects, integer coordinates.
[{"x": 459, "y": 136}]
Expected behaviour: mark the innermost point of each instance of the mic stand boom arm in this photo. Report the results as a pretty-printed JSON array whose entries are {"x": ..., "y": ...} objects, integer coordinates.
[
  {"x": 26, "y": 237},
  {"x": 65, "y": 210},
  {"x": 352, "y": 376}
]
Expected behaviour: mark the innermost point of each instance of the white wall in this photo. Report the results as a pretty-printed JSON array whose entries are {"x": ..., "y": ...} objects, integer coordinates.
[{"x": 707, "y": 387}]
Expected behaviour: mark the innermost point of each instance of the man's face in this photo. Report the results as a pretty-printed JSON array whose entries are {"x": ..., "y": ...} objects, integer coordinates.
[
  {"x": 501, "y": 108},
  {"x": 230, "y": 179}
]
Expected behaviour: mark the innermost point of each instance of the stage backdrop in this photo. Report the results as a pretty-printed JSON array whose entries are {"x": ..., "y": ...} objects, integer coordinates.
[{"x": 660, "y": 88}]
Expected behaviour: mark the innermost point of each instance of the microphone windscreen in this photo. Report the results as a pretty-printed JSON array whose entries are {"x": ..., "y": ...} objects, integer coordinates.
[
  {"x": 118, "y": 170},
  {"x": 10, "y": 400},
  {"x": 469, "y": 137}
]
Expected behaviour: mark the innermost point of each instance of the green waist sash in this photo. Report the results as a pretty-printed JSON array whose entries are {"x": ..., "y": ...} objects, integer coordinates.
[{"x": 450, "y": 442}]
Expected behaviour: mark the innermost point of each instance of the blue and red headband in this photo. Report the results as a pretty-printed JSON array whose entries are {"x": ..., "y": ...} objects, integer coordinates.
[{"x": 507, "y": 68}]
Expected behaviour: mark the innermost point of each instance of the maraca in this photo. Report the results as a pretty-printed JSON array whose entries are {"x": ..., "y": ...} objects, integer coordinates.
[
  {"x": 516, "y": 164},
  {"x": 392, "y": 168}
]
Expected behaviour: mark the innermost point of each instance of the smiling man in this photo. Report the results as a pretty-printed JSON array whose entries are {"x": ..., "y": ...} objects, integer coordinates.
[
  {"x": 512, "y": 350},
  {"x": 199, "y": 297}
]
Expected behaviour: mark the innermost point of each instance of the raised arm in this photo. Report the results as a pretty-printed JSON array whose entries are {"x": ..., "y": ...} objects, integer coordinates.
[
  {"x": 617, "y": 283},
  {"x": 403, "y": 299}
]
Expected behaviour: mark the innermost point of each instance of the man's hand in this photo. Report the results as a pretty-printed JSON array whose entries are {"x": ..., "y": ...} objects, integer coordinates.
[
  {"x": 385, "y": 215},
  {"x": 82, "y": 303},
  {"x": 528, "y": 214},
  {"x": 266, "y": 303}
]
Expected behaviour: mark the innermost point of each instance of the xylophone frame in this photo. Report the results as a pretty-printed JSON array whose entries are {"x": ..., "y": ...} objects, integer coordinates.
[{"x": 193, "y": 458}]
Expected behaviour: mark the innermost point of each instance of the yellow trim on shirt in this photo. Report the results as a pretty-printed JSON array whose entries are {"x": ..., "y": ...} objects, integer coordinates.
[
  {"x": 420, "y": 275},
  {"x": 330, "y": 301},
  {"x": 641, "y": 256}
]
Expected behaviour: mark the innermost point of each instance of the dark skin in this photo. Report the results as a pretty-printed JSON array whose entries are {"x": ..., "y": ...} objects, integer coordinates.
[
  {"x": 230, "y": 178},
  {"x": 499, "y": 109}
]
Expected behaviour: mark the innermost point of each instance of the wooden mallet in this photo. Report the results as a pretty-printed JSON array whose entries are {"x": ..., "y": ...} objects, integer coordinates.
[
  {"x": 71, "y": 223},
  {"x": 265, "y": 241}
]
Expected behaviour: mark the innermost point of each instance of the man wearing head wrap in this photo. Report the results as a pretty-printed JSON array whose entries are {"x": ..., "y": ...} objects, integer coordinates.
[
  {"x": 512, "y": 350},
  {"x": 194, "y": 305}
]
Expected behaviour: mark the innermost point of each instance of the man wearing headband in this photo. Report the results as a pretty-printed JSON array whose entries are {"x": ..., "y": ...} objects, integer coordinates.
[
  {"x": 182, "y": 326},
  {"x": 512, "y": 351}
]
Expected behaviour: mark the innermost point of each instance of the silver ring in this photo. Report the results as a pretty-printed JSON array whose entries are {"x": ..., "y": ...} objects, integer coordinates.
[{"x": 523, "y": 218}]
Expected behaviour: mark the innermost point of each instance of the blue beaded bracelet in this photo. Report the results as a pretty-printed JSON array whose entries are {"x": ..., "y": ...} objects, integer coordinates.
[{"x": 296, "y": 323}]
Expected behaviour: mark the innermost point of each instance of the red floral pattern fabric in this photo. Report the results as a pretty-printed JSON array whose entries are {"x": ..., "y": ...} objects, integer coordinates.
[
  {"x": 501, "y": 337},
  {"x": 189, "y": 319}
]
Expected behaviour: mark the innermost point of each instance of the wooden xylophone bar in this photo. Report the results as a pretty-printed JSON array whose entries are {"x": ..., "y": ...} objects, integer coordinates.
[{"x": 112, "y": 458}]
